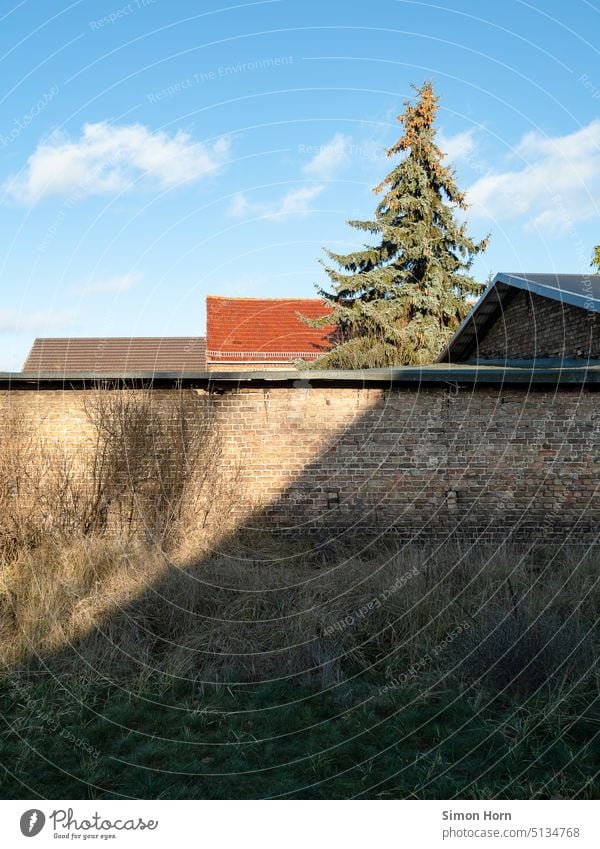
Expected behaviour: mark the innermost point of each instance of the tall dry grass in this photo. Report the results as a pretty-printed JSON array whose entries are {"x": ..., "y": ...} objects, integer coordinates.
[
  {"x": 509, "y": 619},
  {"x": 108, "y": 568}
]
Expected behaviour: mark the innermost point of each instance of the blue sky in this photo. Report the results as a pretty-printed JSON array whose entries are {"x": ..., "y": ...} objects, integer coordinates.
[{"x": 155, "y": 151}]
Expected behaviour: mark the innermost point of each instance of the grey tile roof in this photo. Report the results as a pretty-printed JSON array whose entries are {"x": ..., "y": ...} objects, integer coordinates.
[{"x": 175, "y": 354}]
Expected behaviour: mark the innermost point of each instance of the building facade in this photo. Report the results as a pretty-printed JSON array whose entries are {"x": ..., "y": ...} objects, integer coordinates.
[{"x": 529, "y": 318}]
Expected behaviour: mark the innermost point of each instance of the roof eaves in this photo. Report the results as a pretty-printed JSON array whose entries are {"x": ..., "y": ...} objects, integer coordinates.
[
  {"x": 477, "y": 309},
  {"x": 586, "y": 302}
]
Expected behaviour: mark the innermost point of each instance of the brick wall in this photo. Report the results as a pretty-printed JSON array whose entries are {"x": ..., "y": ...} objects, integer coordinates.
[
  {"x": 425, "y": 462},
  {"x": 533, "y": 326}
]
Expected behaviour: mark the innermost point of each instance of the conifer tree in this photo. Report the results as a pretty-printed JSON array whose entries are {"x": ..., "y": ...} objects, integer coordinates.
[{"x": 399, "y": 301}]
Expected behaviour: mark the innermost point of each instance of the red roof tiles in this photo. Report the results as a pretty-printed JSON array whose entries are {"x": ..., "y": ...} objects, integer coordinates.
[{"x": 264, "y": 329}]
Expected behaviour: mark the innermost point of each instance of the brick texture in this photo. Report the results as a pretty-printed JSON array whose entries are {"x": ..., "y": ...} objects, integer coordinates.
[
  {"x": 480, "y": 462},
  {"x": 533, "y": 326}
]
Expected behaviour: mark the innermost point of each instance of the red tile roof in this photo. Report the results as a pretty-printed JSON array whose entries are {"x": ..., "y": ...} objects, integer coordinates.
[
  {"x": 264, "y": 329},
  {"x": 176, "y": 354}
]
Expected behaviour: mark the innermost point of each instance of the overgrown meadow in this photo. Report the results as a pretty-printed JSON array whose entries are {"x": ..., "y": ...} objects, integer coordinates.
[{"x": 148, "y": 652}]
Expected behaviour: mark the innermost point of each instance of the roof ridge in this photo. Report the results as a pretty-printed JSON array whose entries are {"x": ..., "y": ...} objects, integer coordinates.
[
  {"x": 549, "y": 274},
  {"x": 257, "y": 298},
  {"x": 110, "y": 338}
]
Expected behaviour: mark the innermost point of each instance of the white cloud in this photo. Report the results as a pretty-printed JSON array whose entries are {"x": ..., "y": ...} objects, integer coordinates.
[
  {"x": 297, "y": 202},
  {"x": 325, "y": 162},
  {"x": 240, "y": 206},
  {"x": 121, "y": 283},
  {"x": 459, "y": 146},
  {"x": 329, "y": 158},
  {"x": 107, "y": 159},
  {"x": 556, "y": 187},
  {"x": 12, "y": 321}
]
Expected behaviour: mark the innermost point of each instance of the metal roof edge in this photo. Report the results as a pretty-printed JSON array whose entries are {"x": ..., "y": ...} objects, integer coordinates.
[
  {"x": 555, "y": 294},
  {"x": 406, "y": 375}
]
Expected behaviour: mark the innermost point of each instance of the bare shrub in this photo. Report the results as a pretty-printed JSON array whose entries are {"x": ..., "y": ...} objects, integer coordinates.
[
  {"x": 97, "y": 573},
  {"x": 40, "y": 492},
  {"x": 151, "y": 468},
  {"x": 153, "y": 463},
  {"x": 18, "y": 523}
]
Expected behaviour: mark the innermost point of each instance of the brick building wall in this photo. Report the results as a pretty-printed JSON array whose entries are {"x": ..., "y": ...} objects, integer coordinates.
[
  {"x": 480, "y": 461},
  {"x": 533, "y": 326}
]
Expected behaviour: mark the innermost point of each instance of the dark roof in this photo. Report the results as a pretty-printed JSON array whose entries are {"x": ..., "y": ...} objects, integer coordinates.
[
  {"x": 180, "y": 354},
  {"x": 578, "y": 290},
  {"x": 264, "y": 329}
]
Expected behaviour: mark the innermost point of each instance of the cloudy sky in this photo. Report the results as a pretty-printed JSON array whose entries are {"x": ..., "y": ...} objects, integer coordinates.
[{"x": 153, "y": 152}]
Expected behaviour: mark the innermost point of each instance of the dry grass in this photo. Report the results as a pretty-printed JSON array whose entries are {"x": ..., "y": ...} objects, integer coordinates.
[
  {"x": 126, "y": 612},
  {"x": 106, "y": 568},
  {"x": 120, "y": 615}
]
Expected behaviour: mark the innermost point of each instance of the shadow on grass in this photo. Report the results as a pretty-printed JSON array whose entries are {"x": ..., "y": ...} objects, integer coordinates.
[{"x": 340, "y": 655}]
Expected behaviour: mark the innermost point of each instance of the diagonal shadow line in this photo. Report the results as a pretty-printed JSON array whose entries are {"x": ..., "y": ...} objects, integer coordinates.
[{"x": 380, "y": 441}]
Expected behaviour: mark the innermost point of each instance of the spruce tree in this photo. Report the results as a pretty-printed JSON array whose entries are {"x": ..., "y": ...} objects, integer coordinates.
[{"x": 398, "y": 302}]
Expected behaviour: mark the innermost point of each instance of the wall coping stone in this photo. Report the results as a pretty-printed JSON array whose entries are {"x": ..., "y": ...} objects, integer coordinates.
[{"x": 526, "y": 374}]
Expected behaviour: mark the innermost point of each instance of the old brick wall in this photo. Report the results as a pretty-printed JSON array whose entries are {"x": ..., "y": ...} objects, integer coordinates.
[
  {"x": 423, "y": 462},
  {"x": 57, "y": 415},
  {"x": 533, "y": 326}
]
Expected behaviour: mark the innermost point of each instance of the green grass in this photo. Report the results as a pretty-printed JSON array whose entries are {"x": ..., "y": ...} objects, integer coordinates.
[
  {"x": 273, "y": 740},
  {"x": 266, "y": 671},
  {"x": 255, "y": 664}
]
